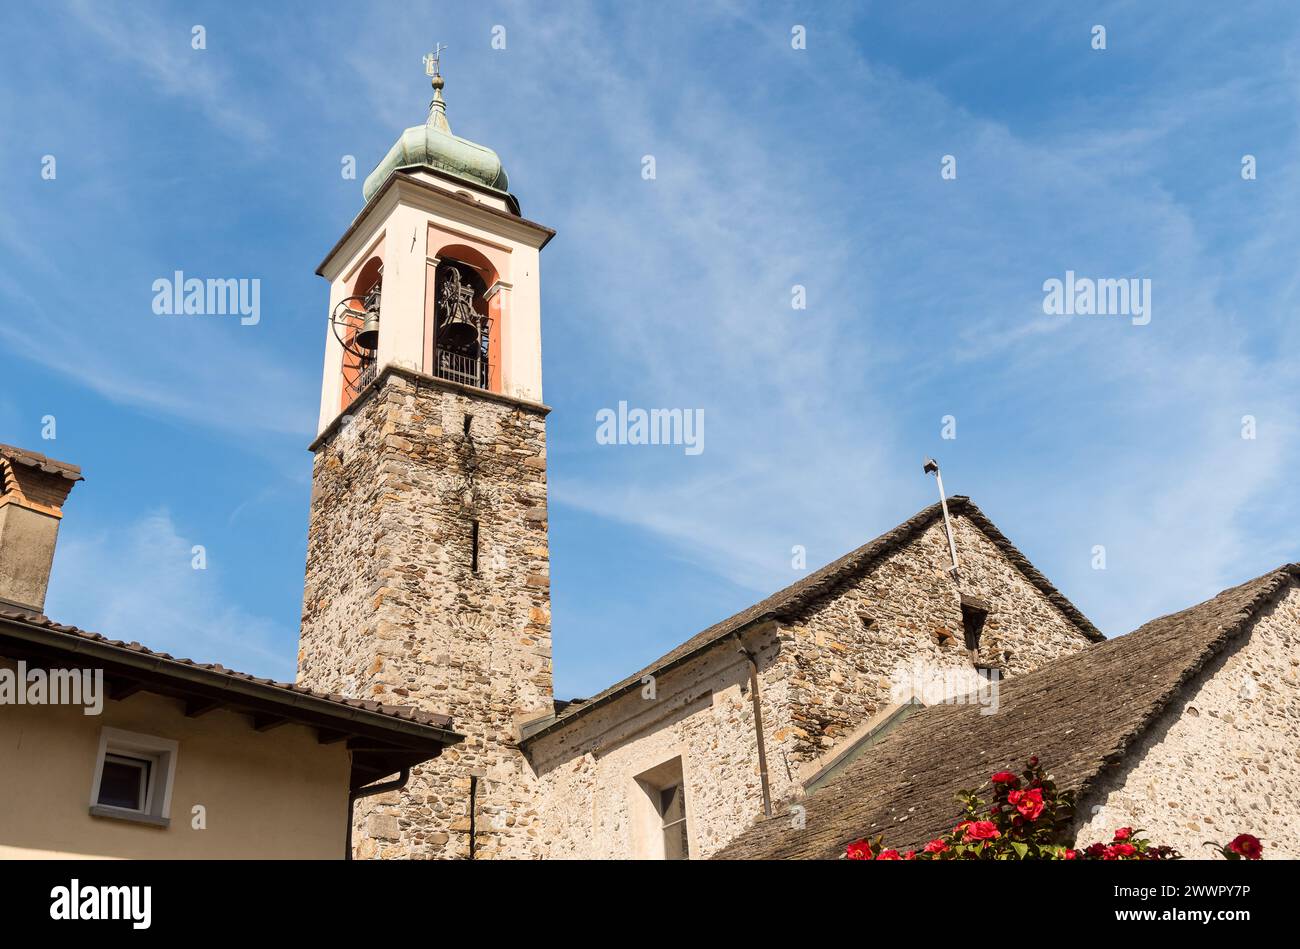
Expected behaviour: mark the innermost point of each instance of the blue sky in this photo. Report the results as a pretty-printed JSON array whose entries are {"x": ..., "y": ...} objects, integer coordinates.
[{"x": 775, "y": 167}]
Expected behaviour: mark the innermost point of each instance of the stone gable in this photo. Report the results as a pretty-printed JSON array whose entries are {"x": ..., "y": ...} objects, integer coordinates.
[
  {"x": 845, "y": 649},
  {"x": 1224, "y": 757},
  {"x": 823, "y": 673},
  {"x": 398, "y": 608},
  {"x": 1112, "y": 723}
]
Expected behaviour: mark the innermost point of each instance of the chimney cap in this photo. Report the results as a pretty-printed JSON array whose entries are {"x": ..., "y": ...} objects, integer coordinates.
[{"x": 32, "y": 459}]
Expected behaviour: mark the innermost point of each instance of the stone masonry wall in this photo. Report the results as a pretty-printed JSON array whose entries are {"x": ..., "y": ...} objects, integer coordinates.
[
  {"x": 1224, "y": 758},
  {"x": 822, "y": 676},
  {"x": 907, "y": 611},
  {"x": 702, "y": 713},
  {"x": 393, "y": 611}
]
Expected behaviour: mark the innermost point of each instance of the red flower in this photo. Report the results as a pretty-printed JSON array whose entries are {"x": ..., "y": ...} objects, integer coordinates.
[
  {"x": 981, "y": 830},
  {"x": 858, "y": 850},
  {"x": 1026, "y": 819},
  {"x": 1247, "y": 846},
  {"x": 1029, "y": 803}
]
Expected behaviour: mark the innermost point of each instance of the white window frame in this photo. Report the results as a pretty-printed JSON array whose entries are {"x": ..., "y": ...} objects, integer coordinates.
[
  {"x": 161, "y": 754},
  {"x": 145, "y": 770}
]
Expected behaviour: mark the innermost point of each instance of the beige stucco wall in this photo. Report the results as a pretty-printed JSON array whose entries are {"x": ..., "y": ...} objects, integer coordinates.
[
  {"x": 1224, "y": 758},
  {"x": 268, "y": 795},
  {"x": 822, "y": 677}
]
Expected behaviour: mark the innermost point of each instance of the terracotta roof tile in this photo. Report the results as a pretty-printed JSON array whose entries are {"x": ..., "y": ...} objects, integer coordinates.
[
  {"x": 21, "y": 456},
  {"x": 73, "y": 633}
]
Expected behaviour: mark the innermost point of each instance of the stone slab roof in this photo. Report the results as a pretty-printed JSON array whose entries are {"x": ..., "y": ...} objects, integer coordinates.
[
  {"x": 1079, "y": 713},
  {"x": 788, "y": 602}
]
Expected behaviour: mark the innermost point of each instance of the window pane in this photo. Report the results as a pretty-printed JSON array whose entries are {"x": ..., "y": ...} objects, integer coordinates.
[
  {"x": 123, "y": 781},
  {"x": 675, "y": 844},
  {"x": 672, "y": 805}
]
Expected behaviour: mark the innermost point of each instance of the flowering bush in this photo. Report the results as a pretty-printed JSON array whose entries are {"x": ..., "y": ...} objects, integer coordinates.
[{"x": 1027, "y": 819}]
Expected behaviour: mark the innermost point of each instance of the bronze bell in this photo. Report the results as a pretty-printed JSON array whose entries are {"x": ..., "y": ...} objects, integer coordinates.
[
  {"x": 460, "y": 324},
  {"x": 458, "y": 333},
  {"x": 368, "y": 336}
]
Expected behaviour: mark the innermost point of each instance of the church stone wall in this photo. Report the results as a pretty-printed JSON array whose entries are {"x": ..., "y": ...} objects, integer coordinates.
[
  {"x": 822, "y": 677},
  {"x": 393, "y": 611},
  {"x": 906, "y": 614},
  {"x": 702, "y": 714},
  {"x": 1224, "y": 758}
]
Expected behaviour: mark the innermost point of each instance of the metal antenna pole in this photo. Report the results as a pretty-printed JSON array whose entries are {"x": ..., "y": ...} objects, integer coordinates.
[{"x": 932, "y": 467}]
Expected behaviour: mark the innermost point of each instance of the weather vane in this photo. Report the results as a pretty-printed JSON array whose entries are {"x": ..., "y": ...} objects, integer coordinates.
[{"x": 432, "y": 60}]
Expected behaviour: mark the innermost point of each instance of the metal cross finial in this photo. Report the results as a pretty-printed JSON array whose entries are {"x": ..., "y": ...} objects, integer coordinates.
[{"x": 432, "y": 60}]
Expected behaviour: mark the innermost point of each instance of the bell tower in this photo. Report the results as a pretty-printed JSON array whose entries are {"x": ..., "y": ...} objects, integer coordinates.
[{"x": 427, "y": 579}]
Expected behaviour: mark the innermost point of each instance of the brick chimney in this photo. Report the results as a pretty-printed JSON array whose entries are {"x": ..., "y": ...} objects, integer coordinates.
[{"x": 32, "y": 491}]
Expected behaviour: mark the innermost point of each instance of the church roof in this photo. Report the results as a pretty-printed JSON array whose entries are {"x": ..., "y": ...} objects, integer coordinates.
[
  {"x": 1080, "y": 714},
  {"x": 790, "y": 601}
]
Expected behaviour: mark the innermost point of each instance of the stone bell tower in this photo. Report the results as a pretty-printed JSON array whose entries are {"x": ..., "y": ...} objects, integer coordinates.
[{"x": 427, "y": 565}]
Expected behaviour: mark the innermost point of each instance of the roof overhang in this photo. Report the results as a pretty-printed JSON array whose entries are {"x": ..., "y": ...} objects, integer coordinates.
[
  {"x": 381, "y": 742},
  {"x": 404, "y": 185},
  {"x": 788, "y": 603},
  {"x": 538, "y": 727},
  {"x": 31, "y": 459}
]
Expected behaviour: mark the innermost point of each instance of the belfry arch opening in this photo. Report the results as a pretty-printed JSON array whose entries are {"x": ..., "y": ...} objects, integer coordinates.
[
  {"x": 363, "y": 298},
  {"x": 465, "y": 323}
]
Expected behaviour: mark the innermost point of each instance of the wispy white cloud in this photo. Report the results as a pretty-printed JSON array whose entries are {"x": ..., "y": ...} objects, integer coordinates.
[
  {"x": 159, "y": 48},
  {"x": 817, "y": 168},
  {"x": 139, "y": 584},
  {"x": 224, "y": 381},
  {"x": 810, "y": 432}
]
